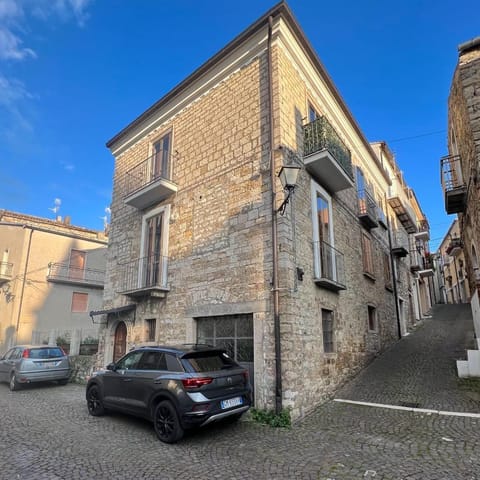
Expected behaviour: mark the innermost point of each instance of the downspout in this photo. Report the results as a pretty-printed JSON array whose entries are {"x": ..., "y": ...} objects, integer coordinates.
[
  {"x": 23, "y": 283},
  {"x": 276, "y": 308},
  {"x": 394, "y": 275}
]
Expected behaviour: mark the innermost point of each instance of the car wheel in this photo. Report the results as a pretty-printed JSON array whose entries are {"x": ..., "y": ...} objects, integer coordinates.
[
  {"x": 166, "y": 422},
  {"x": 63, "y": 382},
  {"x": 14, "y": 385},
  {"x": 95, "y": 402}
]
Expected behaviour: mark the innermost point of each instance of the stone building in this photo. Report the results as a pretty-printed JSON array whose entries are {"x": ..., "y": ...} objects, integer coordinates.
[
  {"x": 452, "y": 267},
  {"x": 51, "y": 276},
  {"x": 204, "y": 248},
  {"x": 460, "y": 169}
]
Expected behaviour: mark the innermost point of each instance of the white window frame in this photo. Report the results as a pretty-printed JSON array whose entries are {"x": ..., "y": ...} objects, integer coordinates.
[
  {"x": 165, "y": 211},
  {"x": 316, "y": 188}
]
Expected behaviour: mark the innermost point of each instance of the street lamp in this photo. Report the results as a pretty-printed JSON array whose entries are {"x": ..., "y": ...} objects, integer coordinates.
[{"x": 288, "y": 176}]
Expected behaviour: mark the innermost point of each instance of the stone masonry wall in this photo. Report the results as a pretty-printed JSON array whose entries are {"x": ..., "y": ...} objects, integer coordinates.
[{"x": 464, "y": 121}]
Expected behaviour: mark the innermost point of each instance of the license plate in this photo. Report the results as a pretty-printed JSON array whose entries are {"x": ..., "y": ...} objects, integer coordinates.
[
  {"x": 46, "y": 364},
  {"x": 231, "y": 402}
]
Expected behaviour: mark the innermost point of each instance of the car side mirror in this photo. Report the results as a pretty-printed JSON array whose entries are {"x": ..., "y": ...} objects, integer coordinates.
[{"x": 111, "y": 366}]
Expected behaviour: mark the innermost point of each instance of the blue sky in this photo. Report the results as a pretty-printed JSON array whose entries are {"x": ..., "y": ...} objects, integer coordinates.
[{"x": 75, "y": 72}]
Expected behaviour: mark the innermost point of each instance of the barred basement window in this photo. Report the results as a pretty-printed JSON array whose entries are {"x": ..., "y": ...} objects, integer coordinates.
[
  {"x": 372, "y": 318},
  {"x": 328, "y": 334},
  {"x": 151, "y": 328}
]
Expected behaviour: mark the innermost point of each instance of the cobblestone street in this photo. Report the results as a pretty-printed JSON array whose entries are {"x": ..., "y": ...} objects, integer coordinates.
[{"x": 46, "y": 432}]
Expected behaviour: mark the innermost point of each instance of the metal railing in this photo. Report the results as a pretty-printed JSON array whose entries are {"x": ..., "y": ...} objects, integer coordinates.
[
  {"x": 400, "y": 239},
  {"x": 6, "y": 270},
  {"x": 329, "y": 263},
  {"x": 451, "y": 172},
  {"x": 145, "y": 272},
  {"x": 320, "y": 135},
  {"x": 423, "y": 226},
  {"x": 65, "y": 272},
  {"x": 155, "y": 167},
  {"x": 367, "y": 204}
]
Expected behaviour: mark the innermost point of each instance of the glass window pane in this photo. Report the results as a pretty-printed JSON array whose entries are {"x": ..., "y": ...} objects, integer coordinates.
[
  {"x": 225, "y": 328},
  {"x": 228, "y": 344},
  {"x": 244, "y": 350},
  {"x": 245, "y": 326},
  {"x": 205, "y": 328}
]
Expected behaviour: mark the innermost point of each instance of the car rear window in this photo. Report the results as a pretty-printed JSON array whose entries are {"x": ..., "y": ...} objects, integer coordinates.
[
  {"x": 51, "y": 352},
  {"x": 208, "y": 361}
]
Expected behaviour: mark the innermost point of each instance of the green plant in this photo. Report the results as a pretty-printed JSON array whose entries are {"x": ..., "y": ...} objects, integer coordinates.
[
  {"x": 62, "y": 341},
  {"x": 90, "y": 340},
  {"x": 269, "y": 417}
]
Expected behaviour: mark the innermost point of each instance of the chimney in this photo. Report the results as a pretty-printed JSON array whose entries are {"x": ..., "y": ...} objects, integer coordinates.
[{"x": 67, "y": 220}]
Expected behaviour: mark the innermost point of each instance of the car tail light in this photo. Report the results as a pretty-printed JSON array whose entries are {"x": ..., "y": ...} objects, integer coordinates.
[
  {"x": 201, "y": 408},
  {"x": 196, "y": 382},
  {"x": 245, "y": 375},
  {"x": 26, "y": 353}
]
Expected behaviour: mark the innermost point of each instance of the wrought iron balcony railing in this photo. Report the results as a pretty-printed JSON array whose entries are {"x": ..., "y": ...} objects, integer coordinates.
[
  {"x": 149, "y": 182},
  {"x": 144, "y": 276},
  {"x": 320, "y": 135},
  {"x": 6, "y": 271},
  {"x": 453, "y": 184},
  {"x": 454, "y": 247},
  {"x": 64, "y": 273},
  {"x": 367, "y": 209},
  {"x": 329, "y": 266}
]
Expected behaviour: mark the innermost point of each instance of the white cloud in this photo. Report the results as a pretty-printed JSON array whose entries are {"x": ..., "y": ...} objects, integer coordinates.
[
  {"x": 63, "y": 9},
  {"x": 11, "y": 46},
  {"x": 12, "y": 94}
]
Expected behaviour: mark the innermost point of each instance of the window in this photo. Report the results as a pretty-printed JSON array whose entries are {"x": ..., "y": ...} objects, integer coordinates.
[
  {"x": 234, "y": 333},
  {"x": 372, "y": 318},
  {"x": 79, "y": 302},
  {"x": 153, "y": 262},
  {"x": 387, "y": 271},
  {"x": 161, "y": 157},
  {"x": 151, "y": 326},
  {"x": 367, "y": 254},
  {"x": 153, "y": 361},
  {"x": 129, "y": 361},
  {"x": 327, "y": 329},
  {"x": 323, "y": 241},
  {"x": 76, "y": 267},
  {"x": 312, "y": 113}
]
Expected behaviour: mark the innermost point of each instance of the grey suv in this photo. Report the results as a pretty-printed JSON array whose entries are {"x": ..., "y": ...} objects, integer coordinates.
[{"x": 174, "y": 387}]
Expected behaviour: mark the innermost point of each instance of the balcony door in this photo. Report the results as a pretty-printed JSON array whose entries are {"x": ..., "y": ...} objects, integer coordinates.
[
  {"x": 76, "y": 266},
  {"x": 160, "y": 159},
  {"x": 323, "y": 234},
  {"x": 152, "y": 270}
]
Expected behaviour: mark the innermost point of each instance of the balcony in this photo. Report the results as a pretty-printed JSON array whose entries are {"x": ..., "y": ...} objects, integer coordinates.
[
  {"x": 454, "y": 247},
  {"x": 329, "y": 267},
  {"x": 367, "y": 210},
  {"x": 423, "y": 230},
  {"x": 426, "y": 268},
  {"x": 145, "y": 185},
  {"x": 86, "y": 277},
  {"x": 399, "y": 243},
  {"x": 326, "y": 157},
  {"x": 453, "y": 185},
  {"x": 399, "y": 202},
  {"x": 145, "y": 277},
  {"x": 6, "y": 270}
]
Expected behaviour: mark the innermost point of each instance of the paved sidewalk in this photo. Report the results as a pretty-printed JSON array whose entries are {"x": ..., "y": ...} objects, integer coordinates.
[{"x": 420, "y": 370}]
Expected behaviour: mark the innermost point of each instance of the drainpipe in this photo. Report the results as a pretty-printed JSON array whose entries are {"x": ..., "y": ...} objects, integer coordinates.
[
  {"x": 394, "y": 275},
  {"x": 276, "y": 308},
  {"x": 23, "y": 284}
]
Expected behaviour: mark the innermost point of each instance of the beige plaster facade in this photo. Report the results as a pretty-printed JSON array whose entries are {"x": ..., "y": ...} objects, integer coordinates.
[
  {"x": 43, "y": 265},
  {"x": 191, "y": 247}
]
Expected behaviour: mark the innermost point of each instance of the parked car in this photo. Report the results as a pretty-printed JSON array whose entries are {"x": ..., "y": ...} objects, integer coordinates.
[
  {"x": 31, "y": 363},
  {"x": 176, "y": 388}
]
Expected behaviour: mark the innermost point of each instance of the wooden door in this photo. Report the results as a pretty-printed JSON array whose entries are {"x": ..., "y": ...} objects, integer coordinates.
[{"x": 120, "y": 344}]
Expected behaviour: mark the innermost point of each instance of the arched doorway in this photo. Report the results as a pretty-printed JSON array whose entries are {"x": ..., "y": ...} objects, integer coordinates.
[{"x": 120, "y": 343}]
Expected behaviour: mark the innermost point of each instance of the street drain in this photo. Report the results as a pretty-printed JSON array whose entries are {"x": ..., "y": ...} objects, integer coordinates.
[{"x": 410, "y": 404}]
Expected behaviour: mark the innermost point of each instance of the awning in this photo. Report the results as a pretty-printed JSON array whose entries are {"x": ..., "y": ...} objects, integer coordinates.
[{"x": 118, "y": 311}]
